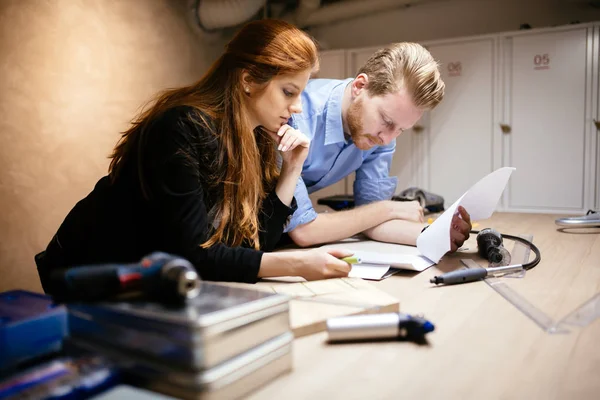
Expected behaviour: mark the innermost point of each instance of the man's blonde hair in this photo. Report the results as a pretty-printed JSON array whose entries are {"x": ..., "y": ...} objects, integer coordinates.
[{"x": 407, "y": 65}]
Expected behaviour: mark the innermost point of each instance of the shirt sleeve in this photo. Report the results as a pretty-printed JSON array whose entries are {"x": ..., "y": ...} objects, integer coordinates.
[
  {"x": 178, "y": 197},
  {"x": 305, "y": 212},
  {"x": 273, "y": 217},
  {"x": 373, "y": 182}
]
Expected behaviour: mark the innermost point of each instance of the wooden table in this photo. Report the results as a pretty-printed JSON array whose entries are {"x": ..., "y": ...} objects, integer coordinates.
[{"x": 482, "y": 346}]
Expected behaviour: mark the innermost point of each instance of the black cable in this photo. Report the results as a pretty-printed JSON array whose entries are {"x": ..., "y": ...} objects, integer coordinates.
[{"x": 533, "y": 247}]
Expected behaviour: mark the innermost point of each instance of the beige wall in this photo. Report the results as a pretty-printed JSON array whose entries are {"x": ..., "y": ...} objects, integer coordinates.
[
  {"x": 72, "y": 74},
  {"x": 451, "y": 18}
]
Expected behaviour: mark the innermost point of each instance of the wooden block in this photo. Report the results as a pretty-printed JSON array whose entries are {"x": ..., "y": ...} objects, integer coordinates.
[{"x": 314, "y": 302}]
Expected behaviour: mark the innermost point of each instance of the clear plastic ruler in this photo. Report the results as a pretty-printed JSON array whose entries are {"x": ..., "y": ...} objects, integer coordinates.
[
  {"x": 585, "y": 314},
  {"x": 582, "y": 316},
  {"x": 520, "y": 302}
]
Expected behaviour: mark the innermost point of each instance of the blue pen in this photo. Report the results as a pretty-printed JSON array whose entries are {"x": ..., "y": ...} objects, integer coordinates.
[{"x": 397, "y": 326}]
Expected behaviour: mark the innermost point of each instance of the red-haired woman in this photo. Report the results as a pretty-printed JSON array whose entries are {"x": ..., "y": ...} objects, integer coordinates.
[{"x": 198, "y": 173}]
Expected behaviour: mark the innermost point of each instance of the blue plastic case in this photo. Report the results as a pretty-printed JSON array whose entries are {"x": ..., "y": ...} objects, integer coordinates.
[
  {"x": 76, "y": 376},
  {"x": 31, "y": 325}
]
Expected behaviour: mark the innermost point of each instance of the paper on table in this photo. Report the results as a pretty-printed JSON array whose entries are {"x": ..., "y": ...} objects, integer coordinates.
[
  {"x": 480, "y": 201},
  {"x": 369, "y": 271},
  {"x": 383, "y": 254},
  {"x": 414, "y": 262},
  {"x": 378, "y": 266}
]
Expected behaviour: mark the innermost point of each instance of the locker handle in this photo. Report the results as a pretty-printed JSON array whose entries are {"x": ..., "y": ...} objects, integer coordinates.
[
  {"x": 418, "y": 128},
  {"x": 505, "y": 128},
  {"x": 597, "y": 123}
]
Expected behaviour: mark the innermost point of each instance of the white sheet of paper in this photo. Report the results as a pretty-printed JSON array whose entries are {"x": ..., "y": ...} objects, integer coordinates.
[
  {"x": 369, "y": 271},
  {"x": 415, "y": 261},
  {"x": 388, "y": 254},
  {"x": 480, "y": 201}
]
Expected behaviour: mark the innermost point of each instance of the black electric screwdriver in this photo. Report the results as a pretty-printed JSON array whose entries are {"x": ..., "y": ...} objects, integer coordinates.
[{"x": 158, "y": 276}]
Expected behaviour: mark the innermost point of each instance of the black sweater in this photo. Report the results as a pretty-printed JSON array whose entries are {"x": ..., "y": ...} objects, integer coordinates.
[{"x": 117, "y": 223}]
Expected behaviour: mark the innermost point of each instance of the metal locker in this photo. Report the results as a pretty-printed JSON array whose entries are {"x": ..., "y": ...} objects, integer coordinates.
[
  {"x": 546, "y": 86},
  {"x": 459, "y": 141}
]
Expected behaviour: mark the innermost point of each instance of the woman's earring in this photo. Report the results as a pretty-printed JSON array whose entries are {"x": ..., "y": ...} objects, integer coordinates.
[{"x": 247, "y": 89}]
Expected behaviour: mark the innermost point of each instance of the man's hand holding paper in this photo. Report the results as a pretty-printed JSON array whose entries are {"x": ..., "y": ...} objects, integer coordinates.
[
  {"x": 460, "y": 228},
  {"x": 480, "y": 201}
]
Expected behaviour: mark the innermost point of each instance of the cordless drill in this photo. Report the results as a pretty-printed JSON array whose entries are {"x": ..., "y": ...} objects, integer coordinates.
[
  {"x": 158, "y": 276},
  {"x": 489, "y": 244}
]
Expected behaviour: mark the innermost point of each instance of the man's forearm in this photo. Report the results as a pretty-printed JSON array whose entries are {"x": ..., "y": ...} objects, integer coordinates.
[
  {"x": 396, "y": 231},
  {"x": 329, "y": 227}
]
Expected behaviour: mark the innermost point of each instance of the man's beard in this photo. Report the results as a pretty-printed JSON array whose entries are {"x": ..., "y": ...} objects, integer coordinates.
[{"x": 355, "y": 126}]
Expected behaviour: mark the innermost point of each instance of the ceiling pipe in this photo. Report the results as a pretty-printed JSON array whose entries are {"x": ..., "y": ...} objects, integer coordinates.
[
  {"x": 212, "y": 15},
  {"x": 310, "y": 14},
  {"x": 306, "y": 8}
]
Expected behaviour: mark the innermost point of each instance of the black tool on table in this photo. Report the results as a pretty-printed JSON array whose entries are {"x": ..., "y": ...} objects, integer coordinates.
[
  {"x": 490, "y": 246},
  {"x": 158, "y": 276}
]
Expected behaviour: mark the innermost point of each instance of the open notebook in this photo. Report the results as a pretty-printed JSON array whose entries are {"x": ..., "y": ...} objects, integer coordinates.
[{"x": 380, "y": 260}]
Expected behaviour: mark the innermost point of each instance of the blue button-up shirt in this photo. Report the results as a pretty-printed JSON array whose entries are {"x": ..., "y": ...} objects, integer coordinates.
[{"x": 331, "y": 156}]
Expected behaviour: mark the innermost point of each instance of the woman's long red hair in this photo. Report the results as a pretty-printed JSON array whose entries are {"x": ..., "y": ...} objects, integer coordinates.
[{"x": 248, "y": 160}]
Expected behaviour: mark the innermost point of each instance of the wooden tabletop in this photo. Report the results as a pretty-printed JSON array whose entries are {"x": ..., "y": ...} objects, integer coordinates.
[{"x": 482, "y": 346}]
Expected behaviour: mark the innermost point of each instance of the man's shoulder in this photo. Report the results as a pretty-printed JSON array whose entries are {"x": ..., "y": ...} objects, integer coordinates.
[
  {"x": 320, "y": 84},
  {"x": 316, "y": 95}
]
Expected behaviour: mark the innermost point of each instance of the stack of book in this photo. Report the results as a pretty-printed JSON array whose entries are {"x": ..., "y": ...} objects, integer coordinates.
[{"x": 223, "y": 344}]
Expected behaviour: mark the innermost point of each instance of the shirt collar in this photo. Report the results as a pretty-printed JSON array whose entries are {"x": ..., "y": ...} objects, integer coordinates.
[{"x": 334, "y": 128}]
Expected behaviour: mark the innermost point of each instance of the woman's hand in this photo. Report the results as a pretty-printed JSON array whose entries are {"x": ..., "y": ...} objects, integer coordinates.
[
  {"x": 312, "y": 264},
  {"x": 323, "y": 264},
  {"x": 294, "y": 149},
  {"x": 292, "y": 144}
]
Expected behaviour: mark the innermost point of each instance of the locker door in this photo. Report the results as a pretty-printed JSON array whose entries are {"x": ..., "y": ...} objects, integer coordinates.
[
  {"x": 459, "y": 140},
  {"x": 547, "y": 109},
  {"x": 403, "y": 165},
  {"x": 596, "y": 119},
  {"x": 332, "y": 64},
  {"x": 356, "y": 59}
]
